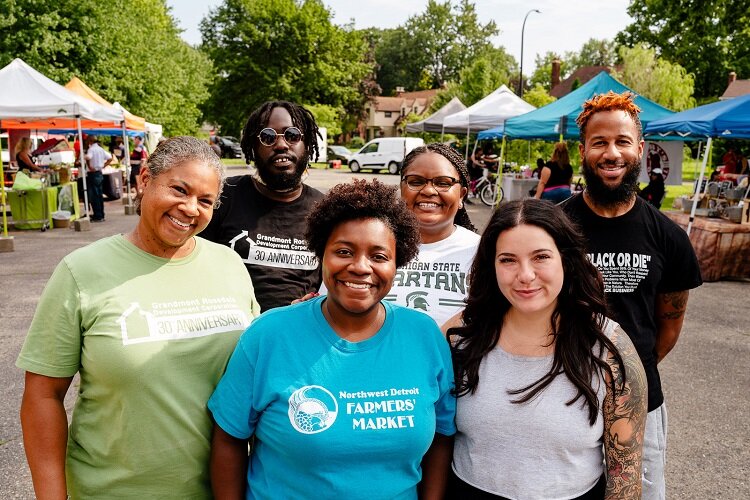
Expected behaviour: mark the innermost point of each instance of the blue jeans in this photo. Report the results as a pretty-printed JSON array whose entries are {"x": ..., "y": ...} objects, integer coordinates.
[
  {"x": 95, "y": 181},
  {"x": 557, "y": 195}
]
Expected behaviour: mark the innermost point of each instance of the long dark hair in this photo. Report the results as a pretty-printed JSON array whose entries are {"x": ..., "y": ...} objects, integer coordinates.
[
  {"x": 450, "y": 154},
  {"x": 577, "y": 321},
  {"x": 301, "y": 118}
]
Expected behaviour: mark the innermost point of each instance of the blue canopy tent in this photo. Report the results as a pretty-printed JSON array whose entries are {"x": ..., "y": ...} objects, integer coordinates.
[
  {"x": 558, "y": 119},
  {"x": 728, "y": 119}
]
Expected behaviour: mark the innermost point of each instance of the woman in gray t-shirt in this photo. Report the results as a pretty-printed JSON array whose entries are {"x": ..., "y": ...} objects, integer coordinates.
[{"x": 543, "y": 378}]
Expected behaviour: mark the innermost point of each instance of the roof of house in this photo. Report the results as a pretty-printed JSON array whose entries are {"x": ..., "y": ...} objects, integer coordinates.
[
  {"x": 736, "y": 89},
  {"x": 582, "y": 74},
  {"x": 420, "y": 98}
]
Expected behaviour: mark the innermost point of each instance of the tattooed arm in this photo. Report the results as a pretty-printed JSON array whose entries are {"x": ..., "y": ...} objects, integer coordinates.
[
  {"x": 670, "y": 313},
  {"x": 624, "y": 421}
]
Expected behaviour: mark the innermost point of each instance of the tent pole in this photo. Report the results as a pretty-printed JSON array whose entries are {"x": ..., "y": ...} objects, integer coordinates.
[
  {"x": 468, "y": 131},
  {"x": 2, "y": 195},
  {"x": 82, "y": 168},
  {"x": 698, "y": 185},
  {"x": 697, "y": 159},
  {"x": 442, "y": 132},
  {"x": 500, "y": 169},
  {"x": 126, "y": 160}
]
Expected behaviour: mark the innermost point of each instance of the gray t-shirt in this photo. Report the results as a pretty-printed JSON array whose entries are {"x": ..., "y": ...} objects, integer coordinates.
[{"x": 541, "y": 449}]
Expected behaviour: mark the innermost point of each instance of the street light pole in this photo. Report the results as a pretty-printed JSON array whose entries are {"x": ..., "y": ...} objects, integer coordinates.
[{"x": 520, "y": 73}]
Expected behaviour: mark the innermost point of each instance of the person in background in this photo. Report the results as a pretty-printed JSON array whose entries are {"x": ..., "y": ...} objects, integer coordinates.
[
  {"x": 138, "y": 157},
  {"x": 543, "y": 378},
  {"x": 23, "y": 156},
  {"x": 538, "y": 170},
  {"x": 476, "y": 168},
  {"x": 150, "y": 329},
  {"x": 646, "y": 260},
  {"x": 262, "y": 216},
  {"x": 654, "y": 192},
  {"x": 214, "y": 143},
  {"x": 730, "y": 160},
  {"x": 556, "y": 176},
  {"x": 346, "y": 395},
  {"x": 96, "y": 160},
  {"x": 119, "y": 151},
  {"x": 434, "y": 183}
]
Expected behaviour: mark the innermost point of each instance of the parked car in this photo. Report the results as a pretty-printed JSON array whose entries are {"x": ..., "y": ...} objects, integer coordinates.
[
  {"x": 338, "y": 153},
  {"x": 384, "y": 153},
  {"x": 230, "y": 146}
]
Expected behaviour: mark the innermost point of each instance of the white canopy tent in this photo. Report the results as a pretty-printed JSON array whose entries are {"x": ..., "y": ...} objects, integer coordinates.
[
  {"x": 491, "y": 111},
  {"x": 434, "y": 122},
  {"x": 30, "y": 100}
]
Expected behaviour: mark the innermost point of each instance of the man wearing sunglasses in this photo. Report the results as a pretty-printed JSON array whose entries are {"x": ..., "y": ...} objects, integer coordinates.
[{"x": 262, "y": 216}]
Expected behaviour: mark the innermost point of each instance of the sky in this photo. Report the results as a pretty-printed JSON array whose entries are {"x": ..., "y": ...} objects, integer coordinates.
[{"x": 560, "y": 27}]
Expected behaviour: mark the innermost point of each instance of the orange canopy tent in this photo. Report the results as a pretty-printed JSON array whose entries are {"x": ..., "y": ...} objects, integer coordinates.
[{"x": 132, "y": 122}]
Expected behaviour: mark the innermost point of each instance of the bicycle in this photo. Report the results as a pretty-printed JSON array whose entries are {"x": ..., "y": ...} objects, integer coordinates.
[{"x": 486, "y": 189}]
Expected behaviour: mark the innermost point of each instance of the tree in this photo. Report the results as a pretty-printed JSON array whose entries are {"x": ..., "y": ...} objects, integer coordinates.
[
  {"x": 437, "y": 43},
  {"x": 593, "y": 53},
  {"x": 662, "y": 82},
  {"x": 94, "y": 41},
  {"x": 279, "y": 49},
  {"x": 327, "y": 116},
  {"x": 709, "y": 39},
  {"x": 543, "y": 73},
  {"x": 538, "y": 96}
]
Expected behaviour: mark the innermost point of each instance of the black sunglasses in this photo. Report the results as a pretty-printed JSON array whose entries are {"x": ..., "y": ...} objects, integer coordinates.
[
  {"x": 441, "y": 183},
  {"x": 268, "y": 136}
]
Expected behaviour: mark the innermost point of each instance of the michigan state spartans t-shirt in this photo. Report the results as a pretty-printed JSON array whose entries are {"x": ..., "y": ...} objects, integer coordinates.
[
  {"x": 336, "y": 418},
  {"x": 435, "y": 282},
  {"x": 150, "y": 338}
]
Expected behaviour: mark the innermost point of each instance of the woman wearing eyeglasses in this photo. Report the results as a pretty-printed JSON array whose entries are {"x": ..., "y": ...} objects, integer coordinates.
[{"x": 434, "y": 183}]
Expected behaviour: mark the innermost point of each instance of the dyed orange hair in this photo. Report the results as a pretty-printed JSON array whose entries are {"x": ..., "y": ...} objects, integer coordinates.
[{"x": 609, "y": 102}]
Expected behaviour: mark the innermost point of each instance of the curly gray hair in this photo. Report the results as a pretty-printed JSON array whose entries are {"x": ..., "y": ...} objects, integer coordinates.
[{"x": 174, "y": 152}]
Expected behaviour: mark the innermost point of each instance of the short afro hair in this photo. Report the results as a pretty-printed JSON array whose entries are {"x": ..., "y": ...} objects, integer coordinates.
[
  {"x": 364, "y": 200},
  {"x": 609, "y": 102}
]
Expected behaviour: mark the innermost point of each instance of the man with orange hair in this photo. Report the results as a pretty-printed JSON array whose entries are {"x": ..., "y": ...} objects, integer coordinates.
[{"x": 646, "y": 260}]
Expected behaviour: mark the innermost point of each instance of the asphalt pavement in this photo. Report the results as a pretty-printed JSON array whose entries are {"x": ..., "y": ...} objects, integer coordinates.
[{"x": 706, "y": 377}]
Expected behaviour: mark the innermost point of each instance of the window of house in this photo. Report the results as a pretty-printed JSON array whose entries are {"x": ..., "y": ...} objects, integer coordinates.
[{"x": 387, "y": 114}]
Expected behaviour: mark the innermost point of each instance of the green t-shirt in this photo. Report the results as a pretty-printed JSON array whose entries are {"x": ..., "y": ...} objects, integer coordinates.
[{"x": 150, "y": 337}]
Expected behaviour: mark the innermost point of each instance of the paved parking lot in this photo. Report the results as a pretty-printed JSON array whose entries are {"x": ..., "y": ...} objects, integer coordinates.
[{"x": 706, "y": 378}]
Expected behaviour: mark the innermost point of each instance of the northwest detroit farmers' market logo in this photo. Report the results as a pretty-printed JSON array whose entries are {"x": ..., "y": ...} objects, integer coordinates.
[{"x": 312, "y": 409}]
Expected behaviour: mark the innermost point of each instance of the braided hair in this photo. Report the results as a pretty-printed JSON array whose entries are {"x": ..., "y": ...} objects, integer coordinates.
[
  {"x": 301, "y": 118},
  {"x": 462, "y": 216}
]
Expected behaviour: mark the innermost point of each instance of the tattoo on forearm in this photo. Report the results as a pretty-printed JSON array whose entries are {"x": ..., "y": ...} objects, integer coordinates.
[
  {"x": 624, "y": 421},
  {"x": 677, "y": 301}
]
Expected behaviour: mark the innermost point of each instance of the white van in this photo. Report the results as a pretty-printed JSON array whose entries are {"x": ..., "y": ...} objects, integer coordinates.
[{"x": 386, "y": 152}]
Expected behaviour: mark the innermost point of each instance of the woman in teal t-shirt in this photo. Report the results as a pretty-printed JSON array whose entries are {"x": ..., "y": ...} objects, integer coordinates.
[
  {"x": 148, "y": 319},
  {"x": 346, "y": 396}
]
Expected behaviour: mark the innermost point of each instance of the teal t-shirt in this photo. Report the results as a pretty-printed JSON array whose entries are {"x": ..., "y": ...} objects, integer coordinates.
[
  {"x": 150, "y": 338},
  {"x": 332, "y": 418}
]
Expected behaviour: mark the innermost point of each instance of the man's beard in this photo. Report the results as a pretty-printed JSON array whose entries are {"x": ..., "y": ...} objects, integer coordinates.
[
  {"x": 607, "y": 196},
  {"x": 281, "y": 181}
]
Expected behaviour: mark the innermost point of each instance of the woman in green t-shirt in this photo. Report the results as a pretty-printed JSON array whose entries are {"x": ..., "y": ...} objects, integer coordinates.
[{"x": 148, "y": 319}]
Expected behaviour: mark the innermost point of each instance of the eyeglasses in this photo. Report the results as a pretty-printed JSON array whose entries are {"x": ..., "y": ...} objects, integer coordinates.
[
  {"x": 268, "y": 136},
  {"x": 441, "y": 183}
]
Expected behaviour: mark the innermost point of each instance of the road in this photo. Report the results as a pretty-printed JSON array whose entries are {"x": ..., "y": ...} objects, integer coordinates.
[{"x": 706, "y": 377}]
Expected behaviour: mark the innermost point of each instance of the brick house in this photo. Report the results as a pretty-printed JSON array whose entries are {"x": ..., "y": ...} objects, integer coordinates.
[{"x": 735, "y": 87}]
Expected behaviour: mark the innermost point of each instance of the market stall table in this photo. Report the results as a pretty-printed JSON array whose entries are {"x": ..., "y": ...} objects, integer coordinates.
[
  {"x": 29, "y": 211},
  {"x": 515, "y": 188},
  {"x": 722, "y": 247}
]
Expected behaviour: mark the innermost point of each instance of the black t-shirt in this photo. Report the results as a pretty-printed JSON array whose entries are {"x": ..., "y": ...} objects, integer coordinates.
[
  {"x": 559, "y": 176},
  {"x": 269, "y": 237},
  {"x": 640, "y": 254}
]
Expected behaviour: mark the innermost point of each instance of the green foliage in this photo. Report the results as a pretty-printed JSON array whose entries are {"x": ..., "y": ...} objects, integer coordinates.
[
  {"x": 166, "y": 83},
  {"x": 280, "y": 49},
  {"x": 543, "y": 73},
  {"x": 662, "y": 82},
  {"x": 709, "y": 39},
  {"x": 487, "y": 72},
  {"x": 538, "y": 96},
  {"x": 328, "y": 117},
  {"x": 593, "y": 53},
  {"x": 356, "y": 143},
  {"x": 432, "y": 47}
]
